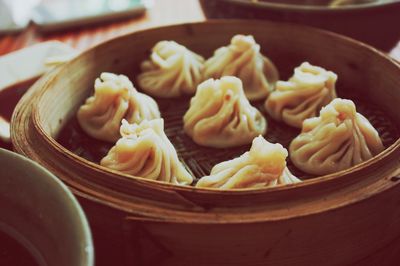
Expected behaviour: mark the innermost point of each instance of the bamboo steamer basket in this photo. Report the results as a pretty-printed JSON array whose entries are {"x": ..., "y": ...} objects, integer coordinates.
[{"x": 338, "y": 219}]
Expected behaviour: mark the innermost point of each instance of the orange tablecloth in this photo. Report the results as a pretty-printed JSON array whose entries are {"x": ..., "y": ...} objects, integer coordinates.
[{"x": 164, "y": 12}]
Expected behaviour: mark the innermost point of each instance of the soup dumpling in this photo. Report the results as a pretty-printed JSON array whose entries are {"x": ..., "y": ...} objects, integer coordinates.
[
  {"x": 302, "y": 96},
  {"x": 221, "y": 116},
  {"x": 336, "y": 140},
  {"x": 114, "y": 99},
  {"x": 145, "y": 151},
  {"x": 171, "y": 71},
  {"x": 243, "y": 59},
  {"x": 263, "y": 166}
]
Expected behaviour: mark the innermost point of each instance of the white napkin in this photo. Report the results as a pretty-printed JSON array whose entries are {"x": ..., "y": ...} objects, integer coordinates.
[
  {"x": 16, "y": 14},
  {"x": 4, "y": 130},
  {"x": 29, "y": 63},
  {"x": 32, "y": 62}
]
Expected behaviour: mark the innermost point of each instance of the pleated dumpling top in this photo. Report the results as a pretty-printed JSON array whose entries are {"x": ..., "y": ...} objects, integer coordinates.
[
  {"x": 171, "y": 71},
  {"x": 303, "y": 95},
  {"x": 145, "y": 151},
  {"x": 221, "y": 116},
  {"x": 242, "y": 58},
  {"x": 263, "y": 166},
  {"x": 336, "y": 140},
  {"x": 114, "y": 99}
]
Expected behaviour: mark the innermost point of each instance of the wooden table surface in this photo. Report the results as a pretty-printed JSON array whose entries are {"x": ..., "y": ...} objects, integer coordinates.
[{"x": 164, "y": 12}]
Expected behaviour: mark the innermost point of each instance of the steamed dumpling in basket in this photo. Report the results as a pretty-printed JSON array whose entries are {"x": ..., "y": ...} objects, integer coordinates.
[
  {"x": 263, "y": 166},
  {"x": 172, "y": 71},
  {"x": 336, "y": 140},
  {"x": 145, "y": 151},
  {"x": 243, "y": 59},
  {"x": 114, "y": 99},
  {"x": 302, "y": 96},
  {"x": 221, "y": 116}
]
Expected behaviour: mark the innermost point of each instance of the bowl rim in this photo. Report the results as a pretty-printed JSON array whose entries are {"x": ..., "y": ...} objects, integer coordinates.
[
  {"x": 306, "y": 182},
  {"x": 312, "y": 8},
  {"x": 46, "y": 174}
]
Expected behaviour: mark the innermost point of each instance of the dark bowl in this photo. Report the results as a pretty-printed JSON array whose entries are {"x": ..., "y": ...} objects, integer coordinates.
[{"x": 372, "y": 23}]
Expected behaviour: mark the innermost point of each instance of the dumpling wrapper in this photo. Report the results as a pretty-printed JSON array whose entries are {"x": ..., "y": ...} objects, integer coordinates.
[
  {"x": 336, "y": 140},
  {"x": 221, "y": 116},
  {"x": 302, "y": 96},
  {"x": 145, "y": 151},
  {"x": 114, "y": 99},
  {"x": 243, "y": 59},
  {"x": 263, "y": 166},
  {"x": 172, "y": 71}
]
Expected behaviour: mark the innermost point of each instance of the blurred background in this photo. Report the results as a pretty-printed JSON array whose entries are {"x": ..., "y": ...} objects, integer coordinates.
[{"x": 83, "y": 23}]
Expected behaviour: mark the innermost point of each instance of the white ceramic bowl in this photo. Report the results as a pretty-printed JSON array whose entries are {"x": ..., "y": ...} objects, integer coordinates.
[{"x": 40, "y": 212}]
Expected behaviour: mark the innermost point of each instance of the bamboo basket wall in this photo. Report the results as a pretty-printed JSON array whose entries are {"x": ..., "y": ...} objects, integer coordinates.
[{"x": 336, "y": 219}]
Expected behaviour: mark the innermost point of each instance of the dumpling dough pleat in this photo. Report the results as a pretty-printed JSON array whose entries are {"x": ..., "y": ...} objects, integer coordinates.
[
  {"x": 145, "y": 151},
  {"x": 171, "y": 71},
  {"x": 242, "y": 59},
  {"x": 221, "y": 116},
  {"x": 263, "y": 166},
  {"x": 114, "y": 99},
  {"x": 302, "y": 96},
  {"x": 336, "y": 140}
]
